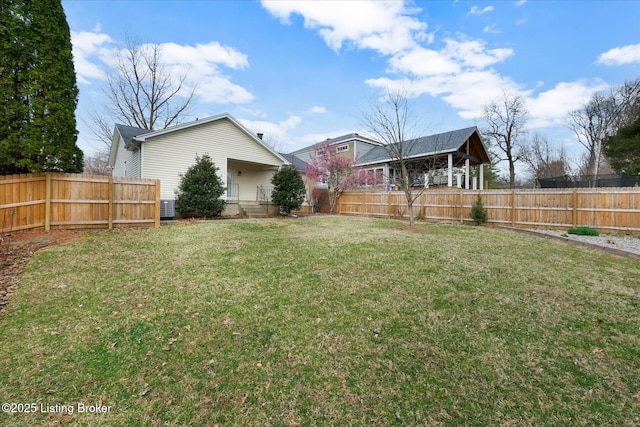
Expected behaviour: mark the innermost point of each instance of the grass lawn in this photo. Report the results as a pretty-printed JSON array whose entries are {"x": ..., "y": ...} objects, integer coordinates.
[{"x": 323, "y": 320}]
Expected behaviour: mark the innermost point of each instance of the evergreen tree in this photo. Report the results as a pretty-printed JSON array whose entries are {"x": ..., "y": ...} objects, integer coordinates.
[
  {"x": 478, "y": 213},
  {"x": 38, "y": 91},
  {"x": 200, "y": 190},
  {"x": 623, "y": 149},
  {"x": 288, "y": 189}
]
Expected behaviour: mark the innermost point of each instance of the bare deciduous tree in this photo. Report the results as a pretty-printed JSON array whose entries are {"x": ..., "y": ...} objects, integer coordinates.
[
  {"x": 543, "y": 159},
  {"x": 591, "y": 124},
  {"x": 393, "y": 123},
  {"x": 97, "y": 164},
  {"x": 601, "y": 117},
  {"x": 142, "y": 92},
  {"x": 506, "y": 120}
]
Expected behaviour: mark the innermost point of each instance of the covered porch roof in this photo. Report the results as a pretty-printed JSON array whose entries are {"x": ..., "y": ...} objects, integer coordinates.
[{"x": 462, "y": 144}]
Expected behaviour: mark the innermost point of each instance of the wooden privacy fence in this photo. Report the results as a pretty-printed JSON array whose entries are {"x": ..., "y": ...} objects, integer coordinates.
[
  {"x": 607, "y": 209},
  {"x": 71, "y": 201}
]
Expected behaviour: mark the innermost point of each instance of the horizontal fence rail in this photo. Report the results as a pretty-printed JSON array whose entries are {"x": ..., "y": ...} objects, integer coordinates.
[
  {"x": 71, "y": 201},
  {"x": 607, "y": 209}
]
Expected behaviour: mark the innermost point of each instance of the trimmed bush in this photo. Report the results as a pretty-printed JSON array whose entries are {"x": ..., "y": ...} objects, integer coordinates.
[
  {"x": 584, "y": 231},
  {"x": 289, "y": 190},
  {"x": 200, "y": 190}
]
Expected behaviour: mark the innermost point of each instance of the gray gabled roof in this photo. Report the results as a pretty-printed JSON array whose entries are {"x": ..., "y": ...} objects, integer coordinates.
[
  {"x": 340, "y": 139},
  {"x": 350, "y": 137},
  {"x": 298, "y": 163},
  {"x": 442, "y": 143},
  {"x": 129, "y": 132},
  {"x": 136, "y": 136}
]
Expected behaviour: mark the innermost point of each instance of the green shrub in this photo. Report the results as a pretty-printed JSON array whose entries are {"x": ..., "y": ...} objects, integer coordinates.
[
  {"x": 479, "y": 214},
  {"x": 200, "y": 190},
  {"x": 289, "y": 190},
  {"x": 583, "y": 231}
]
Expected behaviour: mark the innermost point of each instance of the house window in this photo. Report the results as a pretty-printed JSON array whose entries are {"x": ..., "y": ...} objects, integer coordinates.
[
  {"x": 342, "y": 148},
  {"x": 379, "y": 176}
]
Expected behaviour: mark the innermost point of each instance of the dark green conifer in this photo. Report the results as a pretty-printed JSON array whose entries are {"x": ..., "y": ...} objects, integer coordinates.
[
  {"x": 38, "y": 91},
  {"x": 288, "y": 189}
]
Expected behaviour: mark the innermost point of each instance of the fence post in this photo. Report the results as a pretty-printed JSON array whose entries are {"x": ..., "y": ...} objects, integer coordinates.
[
  {"x": 575, "y": 208},
  {"x": 513, "y": 208},
  {"x": 111, "y": 191},
  {"x": 157, "y": 206},
  {"x": 47, "y": 202}
]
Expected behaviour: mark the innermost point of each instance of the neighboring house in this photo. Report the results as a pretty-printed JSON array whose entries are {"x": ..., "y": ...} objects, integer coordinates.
[
  {"x": 245, "y": 162},
  {"x": 351, "y": 146},
  {"x": 434, "y": 159}
]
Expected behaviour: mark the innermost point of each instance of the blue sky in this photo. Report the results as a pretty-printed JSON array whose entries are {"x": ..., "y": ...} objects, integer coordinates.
[{"x": 303, "y": 71}]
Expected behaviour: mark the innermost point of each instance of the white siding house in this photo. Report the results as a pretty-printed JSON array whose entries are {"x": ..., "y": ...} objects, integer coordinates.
[{"x": 243, "y": 160}]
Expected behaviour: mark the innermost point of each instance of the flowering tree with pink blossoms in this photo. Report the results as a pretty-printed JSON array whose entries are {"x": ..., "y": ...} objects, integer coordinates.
[{"x": 327, "y": 166}]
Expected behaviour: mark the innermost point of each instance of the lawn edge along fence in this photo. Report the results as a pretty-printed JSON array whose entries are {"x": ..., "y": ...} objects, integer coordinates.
[
  {"x": 606, "y": 209},
  {"x": 75, "y": 201}
]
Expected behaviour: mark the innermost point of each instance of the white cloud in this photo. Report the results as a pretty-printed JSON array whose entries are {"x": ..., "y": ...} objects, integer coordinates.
[
  {"x": 384, "y": 26},
  {"x": 467, "y": 91},
  {"x": 280, "y": 134},
  {"x": 457, "y": 74},
  {"x": 276, "y": 133},
  {"x": 470, "y": 91},
  {"x": 200, "y": 65},
  {"x": 460, "y": 72},
  {"x": 621, "y": 55},
  {"x": 423, "y": 62},
  {"x": 491, "y": 29},
  {"x": 456, "y": 56},
  {"x": 220, "y": 89},
  {"x": 552, "y": 107},
  {"x": 520, "y": 2},
  {"x": 88, "y": 48},
  {"x": 473, "y": 53},
  {"x": 316, "y": 110},
  {"x": 475, "y": 10},
  {"x": 204, "y": 56},
  {"x": 255, "y": 113},
  {"x": 94, "y": 54},
  {"x": 290, "y": 123}
]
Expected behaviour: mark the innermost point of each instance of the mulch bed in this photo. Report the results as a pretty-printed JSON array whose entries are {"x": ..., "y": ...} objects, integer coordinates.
[{"x": 16, "y": 249}]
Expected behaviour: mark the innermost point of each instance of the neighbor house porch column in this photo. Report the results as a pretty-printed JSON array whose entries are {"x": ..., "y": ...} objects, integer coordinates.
[
  {"x": 481, "y": 167},
  {"x": 466, "y": 174},
  {"x": 450, "y": 170}
]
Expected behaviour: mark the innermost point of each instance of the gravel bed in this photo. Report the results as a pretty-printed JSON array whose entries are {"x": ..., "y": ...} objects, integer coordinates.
[{"x": 611, "y": 241}]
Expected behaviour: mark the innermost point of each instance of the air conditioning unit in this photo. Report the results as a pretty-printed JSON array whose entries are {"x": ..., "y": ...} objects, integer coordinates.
[{"x": 167, "y": 209}]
